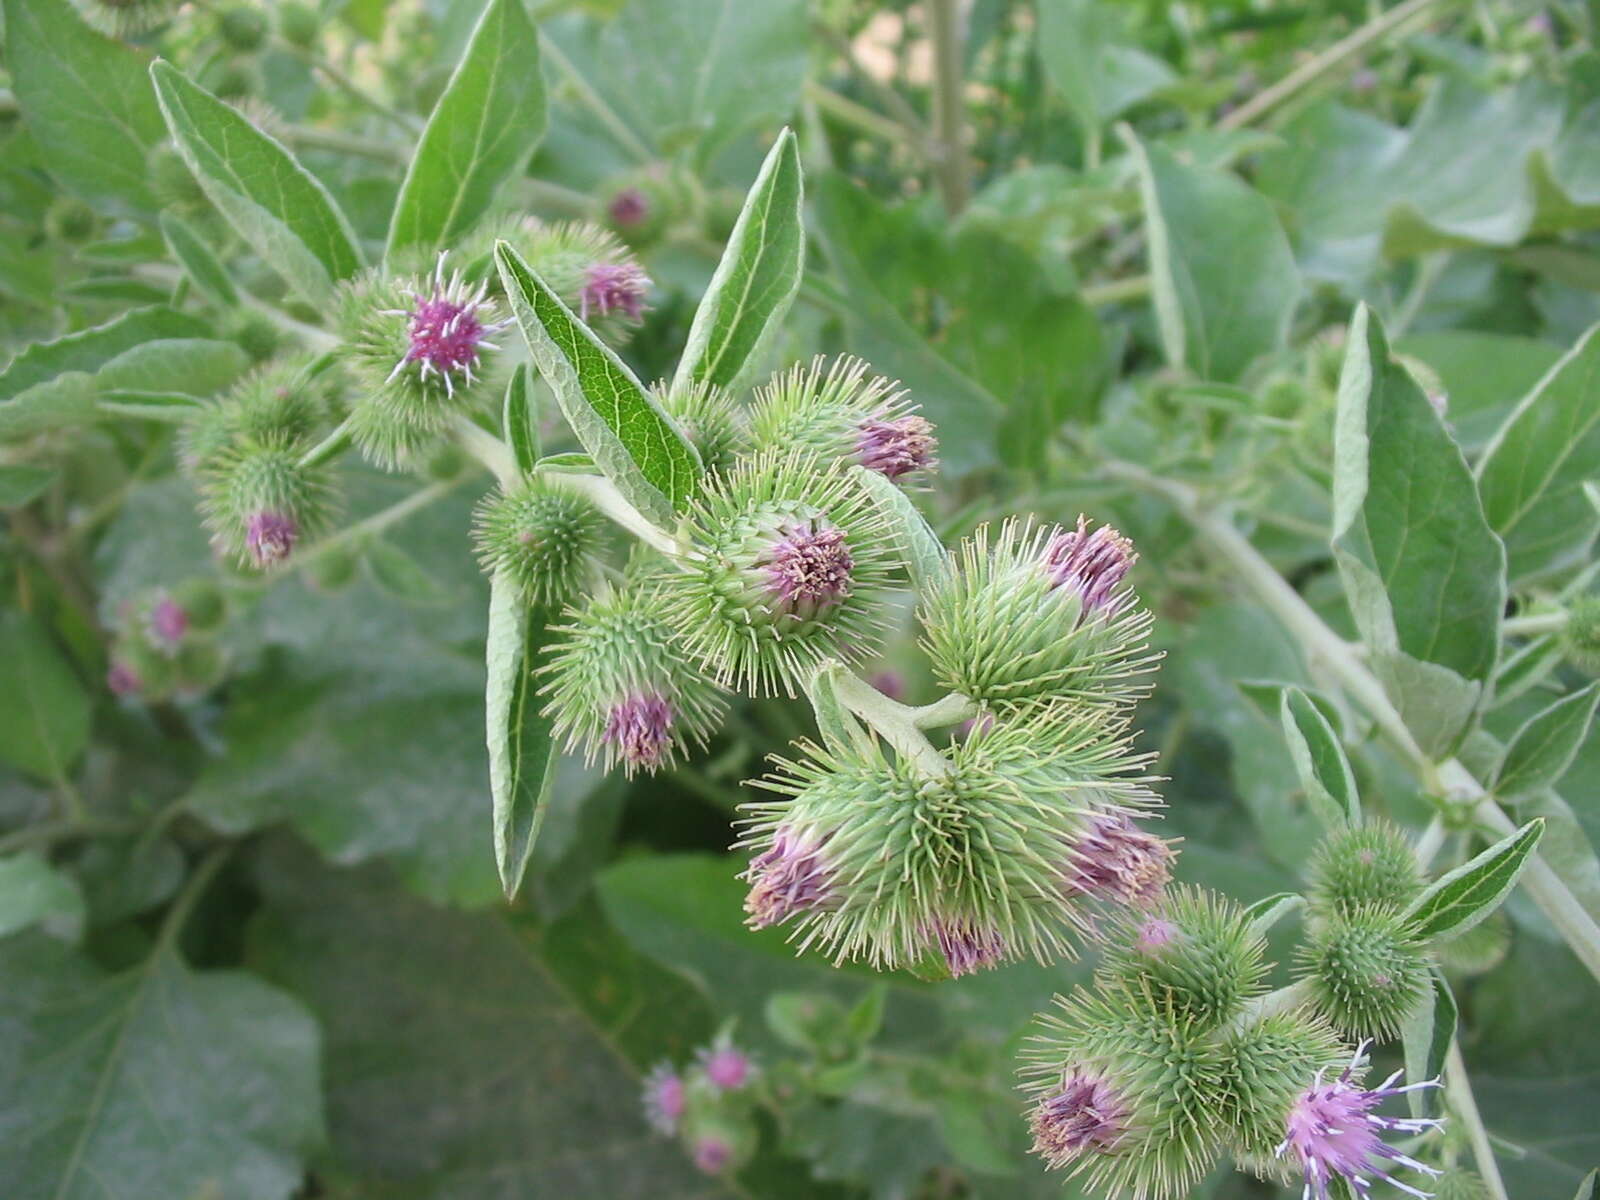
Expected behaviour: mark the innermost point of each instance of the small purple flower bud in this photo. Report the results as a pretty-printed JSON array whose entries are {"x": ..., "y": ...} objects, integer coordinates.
[
  {"x": 446, "y": 332},
  {"x": 629, "y": 207},
  {"x": 1331, "y": 1130},
  {"x": 788, "y": 878},
  {"x": 726, "y": 1066},
  {"x": 1091, "y": 564},
  {"x": 712, "y": 1154},
  {"x": 608, "y": 286},
  {"x": 1363, "y": 81},
  {"x": 640, "y": 726},
  {"x": 968, "y": 949},
  {"x": 1154, "y": 936},
  {"x": 122, "y": 679},
  {"x": 270, "y": 537},
  {"x": 664, "y": 1099},
  {"x": 168, "y": 622},
  {"x": 981, "y": 723},
  {"x": 896, "y": 446},
  {"x": 1116, "y": 860},
  {"x": 808, "y": 567},
  {"x": 890, "y": 684},
  {"x": 1083, "y": 1115}
]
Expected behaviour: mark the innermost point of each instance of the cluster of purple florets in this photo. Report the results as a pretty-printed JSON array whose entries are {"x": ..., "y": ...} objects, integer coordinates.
[{"x": 705, "y": 1106}]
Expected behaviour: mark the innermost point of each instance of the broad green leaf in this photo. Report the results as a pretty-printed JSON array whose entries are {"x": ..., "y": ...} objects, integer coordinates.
[
  {"x": 1424, "y": 573},
  {"x": 22, "y": 483},
  {"x": 90, "y": 349},
  {"x": 1532, "y": 474},
  {"x": 1223, "y": 277},
  {"x": 100, "y": 1071},
  {"x": 86, "y": 100},
  {"x": 1542, "y": 750},
  {"x": 199, "y": 260},
  {"x": 482, "y": 132},
  {"x": 522, "y": 751},
  {"x": 756, "y": 279},
  {"x": 44, "y": 711},
  {"x": 1457, "y": 901},
  {"x": 923, "y": 553},
  {"x": 1268, "y": 911},
  {"x": 32, "y": 892},
  {"x": 1426, "y": 1037},
  {"x": 1484, "y": 375},
  {"x": 475, "y": 1055},
  {"x": 275, "y": 204},
  {"x": 1098, "y": 78},
  {"x": 1320, "y": 759},
  {"x": 187, "y": 366},
  {"x": 520, "y": 420},
  {"x": 636, "y": 444}
]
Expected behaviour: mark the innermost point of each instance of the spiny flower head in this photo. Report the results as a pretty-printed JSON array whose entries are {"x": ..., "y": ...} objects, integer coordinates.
[
  {"x": 712, "y": 1153},
  {"x": 1144, "y": 1088},
  {"x": 1033, "y": 614},
  {"x": 122, "y": 679},
  {"x": 587, "y": 265},
  {"x": 1200, "y": 964},
  {"x": 260, "y": 501},
  {"x": 168, "y": 622},
  {"x": 664, "y": 1098},
  {"x": 710, "y": 417},
  {"x": 540, "y": 536},
  {"x": 1118, "y": 861},
  {"x": 1332, "y": 1132},
  {"x": 1366, "y": 969},
  {"x": 620, "y": 687},
  {"x": 270, "y": 536},
  {"x": 890, "y": 861},
  {"x": 448, "y": 327},
  {"x": 1267, "y": 1063},
  {"x": 1367, "y": 865},
  {"x": 1580, "y": 637},
  {"x": 126, "y": 18},
  {"x": 839, "y": 411},
  {"x": 792, "y": 564},
  {"x": 613, "y": 288},
  {"x": 282, "y": 402},
  {"x": 726, "y": 1067},
  {"x": 628, "y": 207}
]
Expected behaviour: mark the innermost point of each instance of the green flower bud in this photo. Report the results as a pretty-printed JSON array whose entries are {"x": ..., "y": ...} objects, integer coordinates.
[
  {"x": 541, "y": 537},
  {"x": 1195, "y": 955},
  {"x": 1369, "y": 865},
  {"x": 838, "y": 411},
  {"x": 1037, "y": 613},
  {"x": 126, "y": 18},
  {"x": 278, "y": 403},
  {"x": 230, "y": 80},
  {"x": 260, "y": 502},
  {"x": 641, "y": 205},
  {"x": 718, "y": 1142},
  {"x": 333, "y": 569},
  {"x": 1580, "y": 638},
  {"x": 204, "y": 604},
  {"x": 200, "y": 666},
  {"x": 69, "y": 219},
  {"x": 710, "y": 417},
  {"x": 620, "y": 687},
  {"x": 1458, "y": 1183},
  {"x": 1265, "y": 1067},
  {"x": 255, "y": 333},
  {"x": 1121, "y": 1095},
  {"x": 899, "y": 864},
  {"x": 298, "y": 23},
  {"x": 792, "y": 565},
  {"x": 1366, "y": 971},
  {"x": 243, "y": 27},
  {"x": 171, "y": 180}
]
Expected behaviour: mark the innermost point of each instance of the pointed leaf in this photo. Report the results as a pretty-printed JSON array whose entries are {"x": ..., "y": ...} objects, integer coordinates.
[
  {"x": 923, "y": 552},
  {"x": 199, "y": 260},
  {"x": 1320, "y": 759},
  {"x": 1426, "y": 1037},
  {"x": 520, "y": 420},
  {"x": 757, "y": 278},
  {"x": 1586, "y": 1189},
  {"x": 521, "y": 746},
  {"x": 44, "y": 711},
  {"x": 1269, "y": 910},
  {"x": 1542, "y": 750},
  {"x": 632, "y": 440},
  {"x": 1455, "y": 902},
  {"x": 482, "y": 132},
  {"x": 275, "y": 204}
]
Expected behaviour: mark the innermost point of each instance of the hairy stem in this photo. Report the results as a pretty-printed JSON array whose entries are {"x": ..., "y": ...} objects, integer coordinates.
[
  {"x": 603, "y": 494},
  {"x": 329, "y": 447},
  {"x": 489, "y": 450},
  {"x": 948, "y": 27},
  {"x": 1534, "y": 624},
  {"x": 1459, "y": 1089},
  {"x": 595, "y": 102},
  {"x": 893, "y": 721}
]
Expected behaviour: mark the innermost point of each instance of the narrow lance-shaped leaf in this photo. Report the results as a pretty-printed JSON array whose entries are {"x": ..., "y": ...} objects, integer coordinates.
[
  {"x": 199, "y": 260},
  {"x": 636, "y": 444},
  {"x": 924, "y": 554},
  {"x": 1455, "y": 902},
  {"x": 522, "y": 752},
  {"x": 1426, "y": 1037},
  {"x": 520, "y": 419},
  {"x": 1587, "y": 1187},
  {"x": 757, "y": 278},
  {"x": 276, "y": 205},
  {"x": 482, "y": 131},
  {"x": 1542, "y": 750},
  {"x": 1424, "y": 573},
  {"x": 1320, "y": 760},
  {"x": 1269, "y": 910}
]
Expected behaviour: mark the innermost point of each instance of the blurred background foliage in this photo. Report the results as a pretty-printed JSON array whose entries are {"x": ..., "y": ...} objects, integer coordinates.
[{"x": 258, "y": 928}]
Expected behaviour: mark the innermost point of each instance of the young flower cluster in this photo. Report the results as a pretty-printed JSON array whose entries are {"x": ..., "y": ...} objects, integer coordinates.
[
  {"x": 165, "y": 642},
  {"x": 708, "y": 1107}
]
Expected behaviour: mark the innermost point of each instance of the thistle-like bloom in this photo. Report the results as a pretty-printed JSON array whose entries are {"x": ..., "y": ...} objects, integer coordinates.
[
  {"x": 620, "y": 688},
  {"x": 448, "y": 327},
  {"x": 613, "y": 287},
  {"x": 709, "y": 416},
  {"x": 270, "y": 537},
  {"x": 1116, "y": 860},
  {"x": 840, "y": 411},
  {"x": 1085, "y": 1115},
  {"x": 1366, "y": 970},
  {"x": 1091, "y": 564},
  {"x": 1333, "y": 1132},
  {"x": 279, "y": 402},
  {"x": 1035, "y": 614},
  {"x": 168, "y": 622},
  {"x": 891, "y": 861},
  {"x": 126, "y": 18},
  {"x": 727, "y": 1067},
  {"x": 664, "y": 1098},
  {"x": 639, "y": 730},
  {"x": 628, "y": 208},
  {"x": 789, "y": 877},
  {"x": 792, "y": 565},
  {"x": 122, "y": 679},
  {"x": 712, "y": 1154},
  {"x": 1370, "y": 865},
  {"x": 543, "y": 538}
]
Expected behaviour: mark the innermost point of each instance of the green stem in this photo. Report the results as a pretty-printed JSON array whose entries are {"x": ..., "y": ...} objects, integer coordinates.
[
  {"x": 1135, "y": 287},
  {"x": 1465, "y": 1107},
  {"x": 351, "y": 88},
  {"x": 1534, "y": 624},
  {"x": 603, "y": 494},
  {"x": 487, "y": 449},
  {"x": 892, "y": 720},
  {"x": 858, "y": 116},
  {"x": 367, "y": 526},
  {"x": 947, "y": 26},
  {"x": 1322, "y": 646},
  {"x": 595, "y": 102},
  {"x": 329, "y": 447},
  {"x": 1429, "y": 842},
  {"x": 951, "y": 710},
  {"x": 892, "y": 100},
  {"x": 47, "y": 833}
]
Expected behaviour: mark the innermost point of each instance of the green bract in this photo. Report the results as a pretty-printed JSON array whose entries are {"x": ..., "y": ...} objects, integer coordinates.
[
  {"x": 1365, "y": 970},
  {"x": 1370, "y": 865},
  {"x": 542, "y": 537},
  {"x": 1266, "y": 1064}
]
